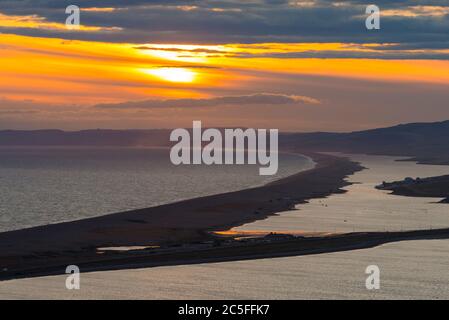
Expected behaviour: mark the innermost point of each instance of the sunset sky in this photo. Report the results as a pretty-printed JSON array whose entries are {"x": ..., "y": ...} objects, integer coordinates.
[{"x": 293, "y": 65}]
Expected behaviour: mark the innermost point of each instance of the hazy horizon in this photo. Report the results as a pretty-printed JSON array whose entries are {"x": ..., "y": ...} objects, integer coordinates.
[{"x": 206, "y": 127}]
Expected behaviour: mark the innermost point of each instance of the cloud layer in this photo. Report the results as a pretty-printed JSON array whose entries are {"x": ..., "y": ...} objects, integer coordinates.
[
  {"x": 419, "y": 23},
  {"x": 255, "y": 99}
]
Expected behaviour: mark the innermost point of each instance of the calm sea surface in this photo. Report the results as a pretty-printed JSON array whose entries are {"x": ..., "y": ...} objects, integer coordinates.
[
  {"x": 39, "y": 186},
  {"x": 409, "y": 269}
]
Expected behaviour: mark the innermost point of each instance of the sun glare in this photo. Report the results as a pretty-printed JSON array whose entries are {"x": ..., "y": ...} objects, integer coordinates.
[{"x": 172, "y": 74}]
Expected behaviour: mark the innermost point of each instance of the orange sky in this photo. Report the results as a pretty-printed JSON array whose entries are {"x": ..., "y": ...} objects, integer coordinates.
[
  {"x": 66, "y": 78},
  {"x": 77, "y": 72}
]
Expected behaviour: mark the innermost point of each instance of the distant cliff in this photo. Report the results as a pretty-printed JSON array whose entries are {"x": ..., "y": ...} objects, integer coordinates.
[{"x": 427, "y": 142}]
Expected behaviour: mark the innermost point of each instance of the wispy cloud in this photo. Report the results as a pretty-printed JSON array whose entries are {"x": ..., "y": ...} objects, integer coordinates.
[
  {"x": 296, "y": 50},
  {"x": 417, "y": 11},
  {"x": 254, "y": 99},
  {"x": 96, "y": 9},
  {"x": 37, "y": 22}
]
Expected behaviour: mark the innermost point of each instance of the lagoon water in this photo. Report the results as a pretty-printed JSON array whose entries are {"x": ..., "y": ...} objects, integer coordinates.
[
  {"x": 44, "y": 185},
  {"x": 409, "y": 269},
  {"x": 363, "y": 207}
]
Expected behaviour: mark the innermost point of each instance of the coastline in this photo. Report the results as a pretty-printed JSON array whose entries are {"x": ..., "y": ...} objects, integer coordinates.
[
  {"x": 172, "y": 224},
  {"x": 314, "y": 245},
  {"x": 108, "y": 180}
]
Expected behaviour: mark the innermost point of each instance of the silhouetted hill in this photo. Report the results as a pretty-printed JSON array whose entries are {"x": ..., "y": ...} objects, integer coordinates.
[{"x": 429, "y": 142}]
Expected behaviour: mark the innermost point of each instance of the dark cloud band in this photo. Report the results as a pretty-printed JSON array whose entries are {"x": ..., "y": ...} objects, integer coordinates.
[{"x": 256, "y": 21}]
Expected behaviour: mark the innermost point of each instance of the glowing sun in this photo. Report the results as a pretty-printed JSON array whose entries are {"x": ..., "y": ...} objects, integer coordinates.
[{"x": 172, "y": 74}]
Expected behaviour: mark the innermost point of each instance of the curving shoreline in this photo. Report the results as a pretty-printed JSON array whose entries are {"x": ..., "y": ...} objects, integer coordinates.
[
  {"x": 318, "y": 244},
  {"x": 176, "y": 223}
]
